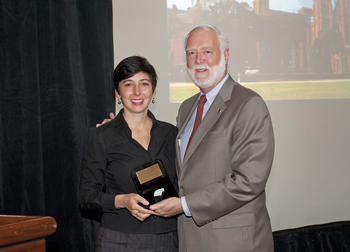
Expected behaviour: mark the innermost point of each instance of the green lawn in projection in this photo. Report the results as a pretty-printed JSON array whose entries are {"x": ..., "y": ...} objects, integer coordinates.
[{"x": 278, "y": 90}]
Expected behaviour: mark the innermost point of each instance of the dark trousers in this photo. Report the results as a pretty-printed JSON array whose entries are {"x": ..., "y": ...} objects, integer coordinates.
[{"x": 108, "y": 240}]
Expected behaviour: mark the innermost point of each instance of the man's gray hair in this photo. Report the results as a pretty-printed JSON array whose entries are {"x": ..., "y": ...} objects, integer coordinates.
[{"x": 223, "y": 40}]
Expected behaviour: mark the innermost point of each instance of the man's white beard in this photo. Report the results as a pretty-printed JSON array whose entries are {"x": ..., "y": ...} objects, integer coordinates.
[{"x": 215, "y": 73}]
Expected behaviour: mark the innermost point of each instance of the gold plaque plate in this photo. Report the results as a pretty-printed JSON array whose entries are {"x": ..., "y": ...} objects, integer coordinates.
[{"x": 149, "y": 173}]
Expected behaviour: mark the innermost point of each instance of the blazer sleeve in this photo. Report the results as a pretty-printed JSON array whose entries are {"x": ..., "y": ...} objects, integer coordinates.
[
  {"x": 251, "y": 160},
  {"x": 92, "y": 176}
]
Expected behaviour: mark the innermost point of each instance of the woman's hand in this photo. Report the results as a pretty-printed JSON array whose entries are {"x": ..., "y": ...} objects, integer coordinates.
[
  {"x": 131, "y": 202},
  {"x": 168, "y": 207}
]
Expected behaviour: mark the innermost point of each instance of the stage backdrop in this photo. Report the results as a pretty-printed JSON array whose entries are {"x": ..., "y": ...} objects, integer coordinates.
[{"x": 55, "y": 75}]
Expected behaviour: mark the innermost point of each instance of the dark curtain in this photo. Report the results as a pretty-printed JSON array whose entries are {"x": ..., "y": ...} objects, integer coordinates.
[
  {"x": 329, "y": 237},
  {"x": 55, "y": 77}
]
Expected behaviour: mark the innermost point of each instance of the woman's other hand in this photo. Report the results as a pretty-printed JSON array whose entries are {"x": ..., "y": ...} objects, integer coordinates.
[
  {"x": 168, "y": 207},
  {"x": 131, "y": 202}
]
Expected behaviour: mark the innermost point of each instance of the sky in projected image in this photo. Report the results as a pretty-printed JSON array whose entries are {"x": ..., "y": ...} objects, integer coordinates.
[
  {"x": 286, "y": 5},
  {"x": 291, "y": 49}
]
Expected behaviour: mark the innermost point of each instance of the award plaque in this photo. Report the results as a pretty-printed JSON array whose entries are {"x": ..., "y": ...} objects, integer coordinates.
[{"x": 152, "y": 182}]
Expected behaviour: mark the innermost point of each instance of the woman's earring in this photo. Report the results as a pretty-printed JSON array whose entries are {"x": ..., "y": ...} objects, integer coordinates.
[
  {"x": 153, "y": 100},
  {"x": 119, "y": 101}
]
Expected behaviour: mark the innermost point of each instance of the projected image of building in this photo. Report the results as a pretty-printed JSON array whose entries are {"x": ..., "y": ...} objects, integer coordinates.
[{"x": 268, "y": 44}]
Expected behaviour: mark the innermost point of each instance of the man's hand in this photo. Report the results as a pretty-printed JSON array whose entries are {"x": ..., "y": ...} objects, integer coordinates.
[
  {"x": 168, "y": 207},
  {"x": 111, "y": 117},
  {"x": 131, "y": 202}
]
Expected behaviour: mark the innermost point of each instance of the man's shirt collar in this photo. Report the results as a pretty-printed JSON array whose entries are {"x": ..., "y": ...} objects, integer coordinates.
[{"x": 213, "y": 93}]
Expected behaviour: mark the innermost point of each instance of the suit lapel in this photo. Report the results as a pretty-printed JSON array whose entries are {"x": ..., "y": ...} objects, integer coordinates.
[
  {"x": 182, "y": 124},
  {"x": 187, "y": 114},
  {"x": 215, "y": 111}
]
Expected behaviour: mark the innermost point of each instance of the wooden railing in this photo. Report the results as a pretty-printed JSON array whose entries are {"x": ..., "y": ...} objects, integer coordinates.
[{"x": 25, "y": 233}]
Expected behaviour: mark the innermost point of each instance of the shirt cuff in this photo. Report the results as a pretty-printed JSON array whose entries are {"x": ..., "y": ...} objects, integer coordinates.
[
  {"x": 185, "y": 207},
  {"x": 107, "y": 201}
]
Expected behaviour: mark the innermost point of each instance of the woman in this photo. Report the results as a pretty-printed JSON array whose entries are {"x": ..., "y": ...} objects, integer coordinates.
[{"x": 134, "y": 137}]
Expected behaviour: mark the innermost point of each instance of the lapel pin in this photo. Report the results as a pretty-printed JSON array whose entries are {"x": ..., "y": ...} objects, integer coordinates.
[{"x": 219, "y": 110}]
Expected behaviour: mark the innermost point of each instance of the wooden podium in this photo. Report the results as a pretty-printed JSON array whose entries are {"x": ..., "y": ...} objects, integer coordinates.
[{"x": 25, "y": 233}]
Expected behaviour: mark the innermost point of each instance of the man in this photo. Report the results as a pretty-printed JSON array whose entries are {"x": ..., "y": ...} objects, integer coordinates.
[{"x": 224, "y": 166}]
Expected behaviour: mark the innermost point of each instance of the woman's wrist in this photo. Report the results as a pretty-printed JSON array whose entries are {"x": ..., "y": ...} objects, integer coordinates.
[{"x": 118, "y": 201}]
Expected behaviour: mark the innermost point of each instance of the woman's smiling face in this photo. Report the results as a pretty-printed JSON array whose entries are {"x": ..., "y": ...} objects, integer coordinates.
[{"x": 136, "y": 92}]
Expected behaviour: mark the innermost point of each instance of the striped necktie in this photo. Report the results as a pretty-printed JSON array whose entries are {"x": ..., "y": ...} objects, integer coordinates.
[{"x": 198, "y": 118}]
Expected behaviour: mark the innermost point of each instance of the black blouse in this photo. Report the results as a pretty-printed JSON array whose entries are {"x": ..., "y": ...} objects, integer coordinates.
[{"x": 106, "y": 169}]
